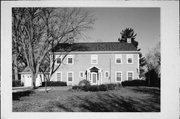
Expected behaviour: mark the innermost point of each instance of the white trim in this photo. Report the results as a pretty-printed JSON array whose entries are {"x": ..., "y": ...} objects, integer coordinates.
[
  {"x": 102, "y": 52},
  {"x": 105, "y": 74},
  {"x": 132, "y": 75},
  {"x": 94, "y": 57},
  {"x": 72, "y": 76},
  {"x": 138, "y": 66},
  {"x": 129, "y": 56},
  {"x": 80, "y": 74},
  {"x": 60, "y": 73},
  {"x": 70, "y": 56},
  {"x": 92, "y": 78},
  {"x": 116, "y": 76},
  {"x": 118, "y": 56}
]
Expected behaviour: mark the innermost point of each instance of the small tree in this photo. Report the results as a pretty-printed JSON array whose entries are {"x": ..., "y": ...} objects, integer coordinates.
[{"x": 153, "y": 63}]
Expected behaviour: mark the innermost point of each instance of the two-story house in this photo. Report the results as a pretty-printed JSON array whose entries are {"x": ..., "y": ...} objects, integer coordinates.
[{"x": 97, "y": 62}]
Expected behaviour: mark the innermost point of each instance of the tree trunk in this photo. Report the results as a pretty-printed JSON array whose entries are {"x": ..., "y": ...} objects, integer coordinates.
[
  {"x": 15, "y": 67},
  {"x": 33, "y": 80}
]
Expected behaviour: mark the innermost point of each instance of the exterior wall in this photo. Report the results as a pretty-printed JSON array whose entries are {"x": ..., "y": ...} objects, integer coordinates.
[
  {"x": 27, "y": 79},
  {"x": 82, "y": 61}
]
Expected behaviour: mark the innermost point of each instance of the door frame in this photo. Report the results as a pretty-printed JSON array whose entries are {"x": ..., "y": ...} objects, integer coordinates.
[{"x": 92, "y": 78}]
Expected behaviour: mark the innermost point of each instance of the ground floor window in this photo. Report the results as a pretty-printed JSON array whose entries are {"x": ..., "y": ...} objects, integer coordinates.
[
  {"x": 106, "y": 74},
  {"x": 70, "y": 76},
  {"x": 59, "y": 76},
  {"x": 129, "y": 75},
  {"x": 81, "y": 74},
  {"x": 118, "y": 76}
]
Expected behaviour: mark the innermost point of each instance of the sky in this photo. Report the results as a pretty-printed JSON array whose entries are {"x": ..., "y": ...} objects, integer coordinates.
[{"x": 111, "y": 21}]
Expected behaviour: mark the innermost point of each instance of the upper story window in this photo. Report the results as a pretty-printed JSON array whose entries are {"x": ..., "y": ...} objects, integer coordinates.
[
  {"x": 118, "y": 76},
  {"x": 94, "y": 59},
  {"x": 130, "y": 75},
  {"x": 129, "y": 58},
  {"x": 58, "y": 59},
  {"x": 106, "y": 74},
  {"x": 118, "y": 59},
  {"x": 70, "y": 59}
]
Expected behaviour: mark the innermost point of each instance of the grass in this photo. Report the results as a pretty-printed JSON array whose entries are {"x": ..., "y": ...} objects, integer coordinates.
[{"x": 128, "y": 99}]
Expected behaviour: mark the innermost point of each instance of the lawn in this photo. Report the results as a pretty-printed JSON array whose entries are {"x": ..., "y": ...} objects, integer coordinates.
[{"x": 128, "y": 99}]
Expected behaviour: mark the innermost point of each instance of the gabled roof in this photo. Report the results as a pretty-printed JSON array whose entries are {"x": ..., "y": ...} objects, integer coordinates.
[
  {"x": 26, "y": 70},
  {"x": 95, "y": 46}
]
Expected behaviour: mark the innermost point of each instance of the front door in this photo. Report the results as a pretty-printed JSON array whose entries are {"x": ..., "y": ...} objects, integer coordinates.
[{"x": 94, "y": 78}]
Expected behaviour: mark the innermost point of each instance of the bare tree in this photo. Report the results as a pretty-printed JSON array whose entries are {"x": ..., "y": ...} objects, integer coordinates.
[{"x": 41, "y": 29}]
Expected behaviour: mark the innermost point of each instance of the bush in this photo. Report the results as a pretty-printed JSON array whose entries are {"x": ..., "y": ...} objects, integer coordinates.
[
  {"x": 94, "y": 88},
  {"x": 54, "y": 83},
  {"x": 17, "y": 83},
  {"x": 84, "y": 83},
  {"x": 134, "y": 83}
]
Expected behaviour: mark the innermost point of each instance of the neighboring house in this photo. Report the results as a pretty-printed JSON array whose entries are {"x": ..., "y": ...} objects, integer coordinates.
[
  {"x": 26, "y": 78},
  {"x": 97, "y": 62}
]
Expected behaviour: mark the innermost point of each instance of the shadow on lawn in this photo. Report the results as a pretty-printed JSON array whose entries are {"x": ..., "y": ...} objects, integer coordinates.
[
  {"x": 18, "y": 95},
  {"x": 113, "y": 103}
]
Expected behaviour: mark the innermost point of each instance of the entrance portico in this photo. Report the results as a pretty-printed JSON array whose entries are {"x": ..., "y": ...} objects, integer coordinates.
[{"x": 94, "y": 75}]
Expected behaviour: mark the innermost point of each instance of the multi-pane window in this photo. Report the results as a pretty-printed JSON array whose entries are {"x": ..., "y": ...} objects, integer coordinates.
[
  {"x": 69, "y": 59},
  {"x": 81, "y": 74},
  {"x": 118, "y": 76},
  {"x": 59, "y": 76},
  {"x": 129, "y": 58},
  {"x": 130, "y": 75},
  {"x": 70, "y": 76},
  {"x": 118, "y": 59},
  {"x": 94, "y": 59},
  {"x": 106, "y": 74},
  {"x": 58, "y": 59}
]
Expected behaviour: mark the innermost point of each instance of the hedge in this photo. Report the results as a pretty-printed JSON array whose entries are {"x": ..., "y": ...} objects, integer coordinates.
[
  {"x": 84, "y": 83},
  {"x": 134, "y": 83},
  {"x": 94, "y": 88},
  {"x": 54, "y": 83},
  {"x": 17, "y": 83}
]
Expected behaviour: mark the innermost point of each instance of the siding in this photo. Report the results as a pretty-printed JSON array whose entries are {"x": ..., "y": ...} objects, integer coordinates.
[{"x": 83, "y": 61}]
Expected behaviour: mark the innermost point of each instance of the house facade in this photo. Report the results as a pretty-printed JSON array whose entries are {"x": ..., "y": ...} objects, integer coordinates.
[{"x": 98, "y": 62}]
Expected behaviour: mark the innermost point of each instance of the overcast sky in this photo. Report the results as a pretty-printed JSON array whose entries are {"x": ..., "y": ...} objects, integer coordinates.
[{"x": 111, "y": 21}]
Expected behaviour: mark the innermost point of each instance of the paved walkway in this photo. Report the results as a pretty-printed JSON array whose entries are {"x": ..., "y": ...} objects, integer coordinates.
[{"x": 21, "y": 89}]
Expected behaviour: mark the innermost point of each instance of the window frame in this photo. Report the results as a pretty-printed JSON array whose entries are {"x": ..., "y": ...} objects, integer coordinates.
[
  {"x": 129, "y": 56},
  {"x": 118, "y": 56},
  {"x": 105, "y": 74},
  {"x": 58, "y": 56},
  {"x": 72, "y": 76},
  {"x": 70, "y": 56},
  {"x": 116, "y": 76},
  {"x": 57, "y": 76},
  {"x": 80, "y": 74},
  {"x": 94, "y": 57},
  {"x": 128, "y": 76}
]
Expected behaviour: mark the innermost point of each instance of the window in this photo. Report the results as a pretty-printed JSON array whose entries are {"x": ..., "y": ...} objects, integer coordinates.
[
  {"x": 106, "y": 74},
  {"x": 58, "y": 59},
  {"x": 94, "y": 59},
  {"x": 129, "y": 58},
  {"x": 59, "y": 76},
  {"x": 69, "y": 59},
  {"x": 81, "y": 74},
  {"x": 70, "y": 76},
  {"x": 118, "y": 76},
  {"x": 118, "y": 59},
  {"x": 130, "y": 75}
]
